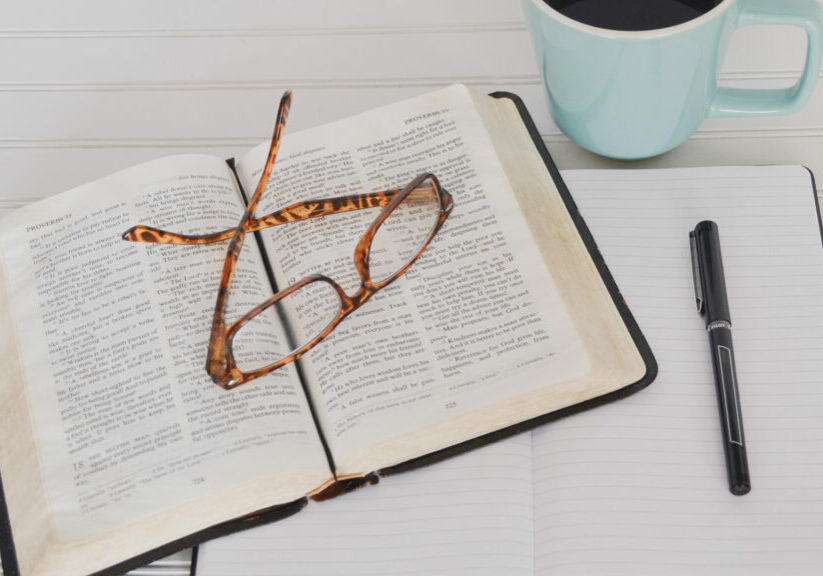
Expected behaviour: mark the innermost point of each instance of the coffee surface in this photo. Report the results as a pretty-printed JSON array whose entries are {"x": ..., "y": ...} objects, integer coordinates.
[{"x": 632, "y": 14}]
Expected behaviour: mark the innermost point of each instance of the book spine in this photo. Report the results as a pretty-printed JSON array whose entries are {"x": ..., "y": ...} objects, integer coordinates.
[{"x": 289, "y": 334}]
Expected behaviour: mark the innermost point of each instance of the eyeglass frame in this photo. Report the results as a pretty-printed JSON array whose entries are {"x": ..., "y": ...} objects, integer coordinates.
[{"x": 220, "y": 362}]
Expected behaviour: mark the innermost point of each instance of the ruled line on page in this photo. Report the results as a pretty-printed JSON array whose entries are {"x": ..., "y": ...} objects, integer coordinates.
[{"x": 608, "y": 502}]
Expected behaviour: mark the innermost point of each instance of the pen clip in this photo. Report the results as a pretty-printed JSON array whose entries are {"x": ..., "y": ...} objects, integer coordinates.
[{"x": 698, "y": 281}]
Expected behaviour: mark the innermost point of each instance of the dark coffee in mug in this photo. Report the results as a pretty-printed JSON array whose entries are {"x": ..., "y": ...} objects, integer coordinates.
[{"x": 632, "y": 14}]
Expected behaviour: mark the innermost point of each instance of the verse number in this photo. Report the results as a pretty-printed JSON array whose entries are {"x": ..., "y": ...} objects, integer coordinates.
[
  {"x": 198, "y": 480},
  {"x": 450, "y": 405}
]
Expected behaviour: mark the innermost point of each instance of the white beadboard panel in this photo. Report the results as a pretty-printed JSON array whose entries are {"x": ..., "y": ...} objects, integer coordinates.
[
  {"x": 362, "y": 60},
  {"x": 752, "y": 150},
  {"x": 73, "y": 141},
  {"x": 808, "y": 118},
  {"x": 178, "y": 564},
  {"x": 239, "y": 119},
  {"x": 221, "y": 116},
  {"x": 200, "y": 62},
  {"x": 25, "y": 178},
  {"x": 36, "y": 173},
  {"x": 766, "y": 51},
  {"x": 153, "y": 18},
  {"x": 38, "y": 18},
  {"x": 214, "y": 63}
]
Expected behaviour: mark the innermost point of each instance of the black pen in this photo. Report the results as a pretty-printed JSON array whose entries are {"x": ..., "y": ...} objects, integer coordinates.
[{"x": 712, "y": 302}]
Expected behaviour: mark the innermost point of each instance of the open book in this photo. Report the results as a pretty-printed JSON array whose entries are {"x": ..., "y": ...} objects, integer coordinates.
[
  {"x": 637, "y": 487},
  {"x": 117, "y": 448}
]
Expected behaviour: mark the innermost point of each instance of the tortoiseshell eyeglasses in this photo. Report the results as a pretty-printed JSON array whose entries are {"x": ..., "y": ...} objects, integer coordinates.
[{"x": 401, "y": 232}]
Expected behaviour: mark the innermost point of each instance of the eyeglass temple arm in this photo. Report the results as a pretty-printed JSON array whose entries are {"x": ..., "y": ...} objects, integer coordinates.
[
  {"x": 293, "y": 213},
  {"x": 220, "y": 363}
]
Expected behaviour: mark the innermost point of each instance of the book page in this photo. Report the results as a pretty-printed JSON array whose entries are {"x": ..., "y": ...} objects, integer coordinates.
[
  {"x": 113, "y": 339},
  {"x": 468, "y": 515},
  {"x": 639, "y": 486},
  {"x": 476, "y": 320}
]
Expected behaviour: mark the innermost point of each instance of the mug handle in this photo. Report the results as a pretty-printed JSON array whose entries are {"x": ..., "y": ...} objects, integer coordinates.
[{"x": 805, "y": 14}]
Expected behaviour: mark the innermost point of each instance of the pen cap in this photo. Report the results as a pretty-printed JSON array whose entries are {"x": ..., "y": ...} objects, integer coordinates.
[{"x": 707, "y": 243}]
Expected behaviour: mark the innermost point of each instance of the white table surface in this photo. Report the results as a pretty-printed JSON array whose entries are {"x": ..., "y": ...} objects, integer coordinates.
[{"x": 92, "y": 87}]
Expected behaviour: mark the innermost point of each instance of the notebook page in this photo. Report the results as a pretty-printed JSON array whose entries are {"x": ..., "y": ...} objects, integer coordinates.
[
  {"x": 468, "y": 515},
  {"x": 639, "y": 486}
]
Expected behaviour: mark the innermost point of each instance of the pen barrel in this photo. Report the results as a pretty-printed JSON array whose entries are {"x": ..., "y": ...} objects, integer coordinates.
[{"x": 728, "y": 401}]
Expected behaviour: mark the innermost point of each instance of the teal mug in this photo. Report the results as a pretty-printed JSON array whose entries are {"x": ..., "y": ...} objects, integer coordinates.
[{"x": 635, "y": 94}]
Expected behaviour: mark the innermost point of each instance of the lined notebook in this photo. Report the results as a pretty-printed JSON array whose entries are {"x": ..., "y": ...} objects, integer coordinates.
[{"x": 637, "y": 486}]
